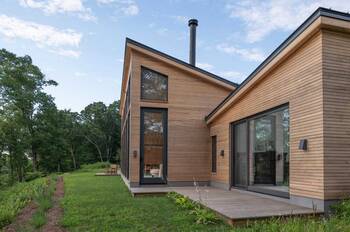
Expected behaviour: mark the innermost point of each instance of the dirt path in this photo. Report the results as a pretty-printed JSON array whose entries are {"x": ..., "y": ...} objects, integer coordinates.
[
  {"x": 56, "y": 212},
  {"x": 22, "y": 218}
]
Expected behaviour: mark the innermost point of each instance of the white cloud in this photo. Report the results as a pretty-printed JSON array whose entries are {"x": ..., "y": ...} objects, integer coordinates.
[
  {"x": 181, "y": 18},
  {"x": 61, "y": 6},
  {"x": 131, "y": 9},
  {"x": 162, "y": 31},
  {"x": 205, "y": 66},
  {"x": 127, "y": 7},
  {"x": 233, "y": 76},
  {"x": 67, "y": 53},
  {"x": 79, "y": 74},
  {"x": 43, "y": 36},
  {"x": 248, "y": 54},
  {"x": 263, "y": 17},
  {"x": 151, "y": 25}
]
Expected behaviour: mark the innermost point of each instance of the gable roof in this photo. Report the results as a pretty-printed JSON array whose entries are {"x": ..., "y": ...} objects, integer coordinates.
[
  {"x": 294, "y": 36},
  {"x": 137, "y": 46},
  {"x": 181, "y": 62}
]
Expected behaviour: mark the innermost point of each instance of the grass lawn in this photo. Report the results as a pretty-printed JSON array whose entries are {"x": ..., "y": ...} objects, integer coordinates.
[{"x": 104, "y": 204}]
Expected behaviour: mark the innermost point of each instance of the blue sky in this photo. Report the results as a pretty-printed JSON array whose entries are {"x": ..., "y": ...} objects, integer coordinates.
[{"x": 80, "y": 43}]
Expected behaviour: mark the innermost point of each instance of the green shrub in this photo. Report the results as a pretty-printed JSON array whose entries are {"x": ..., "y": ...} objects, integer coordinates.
[
  {"x": 202, "y": 214},
  {"x": 44, "y": 202},
  {"x": 99, "y": 165},
  {"x": 16, "y": 197},
  {"x": 33, "y": 175},
  {"x": 182, "y": 201},
  {"x": 5, "y": 181},
  {"x": 342, "y": 209},
  {"x": 39, "y": 219}
]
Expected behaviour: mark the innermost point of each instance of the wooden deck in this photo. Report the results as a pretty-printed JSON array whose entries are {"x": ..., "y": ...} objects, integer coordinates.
[
  {"x": 238, "y": 206},
  {"x": 234, "y": 206},
  {"x": 149, "y": 190}
]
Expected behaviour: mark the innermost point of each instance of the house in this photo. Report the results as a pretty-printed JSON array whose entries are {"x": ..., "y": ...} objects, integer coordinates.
[{"x": 285, "y": 131}]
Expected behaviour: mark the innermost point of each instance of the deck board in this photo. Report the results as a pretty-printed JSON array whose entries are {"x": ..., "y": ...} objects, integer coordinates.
[
  {"x": 234, "y": 205},
  {"x": 242, "y": 205}
]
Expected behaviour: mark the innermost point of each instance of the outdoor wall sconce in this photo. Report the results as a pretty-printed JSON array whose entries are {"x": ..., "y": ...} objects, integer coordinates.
[
  {"x": 222, "y": 153},
  {"x": 303, "y": 144},
  {"x": 134, "y": 154},
  {"x": 279, "y": 157}
]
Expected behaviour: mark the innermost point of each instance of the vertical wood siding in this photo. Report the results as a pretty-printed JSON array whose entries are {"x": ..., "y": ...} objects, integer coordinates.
[
  {"x": 297, "y": 81},
  {"x": 190, "y": 99}
]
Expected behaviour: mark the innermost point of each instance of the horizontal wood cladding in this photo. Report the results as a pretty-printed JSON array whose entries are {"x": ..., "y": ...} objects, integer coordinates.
[
  {"x": 297, "y": 81},
  {"x": 190, "y": 99},
  {"x": 336, "y": 71}
]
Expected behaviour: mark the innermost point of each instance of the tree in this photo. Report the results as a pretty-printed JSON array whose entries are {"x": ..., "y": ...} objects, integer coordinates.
[
  {"x": 113, "y": 131},
  {"x": 101, "y": 126},
  {"x": 33, "y": 129},
  {"x": 15, "y": 142},
  {"x": 73, "y": 134},
  {"x": 21, "y": 88}
]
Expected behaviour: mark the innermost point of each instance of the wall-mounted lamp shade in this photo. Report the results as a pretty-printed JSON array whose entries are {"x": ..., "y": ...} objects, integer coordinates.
[
  {"x": 303, "y": 144},
  {"x": 222, "y": 153},
  {"x": 135, "y": 154}
]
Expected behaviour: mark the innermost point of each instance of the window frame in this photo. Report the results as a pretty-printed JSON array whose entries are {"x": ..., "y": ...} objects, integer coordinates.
[
  {"x": 214, "y": 151},
  {"x": 142, "y": 97}
]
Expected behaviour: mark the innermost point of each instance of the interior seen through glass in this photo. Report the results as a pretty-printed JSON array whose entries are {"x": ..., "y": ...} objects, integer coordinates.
[
  {"x": 153, "y": 144},
  {"x": 263, "y": 152}
]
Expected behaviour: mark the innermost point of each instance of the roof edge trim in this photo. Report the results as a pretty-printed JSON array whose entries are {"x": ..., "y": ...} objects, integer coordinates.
[
  {"x": 319, "y": 12},
  {"x": 181, "y": 62}
]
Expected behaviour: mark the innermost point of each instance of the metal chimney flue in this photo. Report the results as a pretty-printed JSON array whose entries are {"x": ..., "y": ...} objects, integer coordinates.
[{"x": 193, "y": 23}]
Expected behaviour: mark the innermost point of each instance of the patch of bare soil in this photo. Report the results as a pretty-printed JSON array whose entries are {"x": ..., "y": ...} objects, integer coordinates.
[
  {"x": 22, "y": 218},
  {"x": 56, "y": 212}
]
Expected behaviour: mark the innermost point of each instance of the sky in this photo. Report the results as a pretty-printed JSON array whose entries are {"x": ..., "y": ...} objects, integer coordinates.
[{"x": 80, "y": 43}]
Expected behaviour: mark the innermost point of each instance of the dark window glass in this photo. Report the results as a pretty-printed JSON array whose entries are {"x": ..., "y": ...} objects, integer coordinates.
[
  {"x": 240, "y": 154},
  {"x": 213, "y": 153},
  {"x": 154, "y": 86},
  {"x": 153, "y": 142}
]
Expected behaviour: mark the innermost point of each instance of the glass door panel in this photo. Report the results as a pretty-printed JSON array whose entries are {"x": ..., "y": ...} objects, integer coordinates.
[
  {"x": 240, "y": 155},
  {"x": 264, "y": 150},
  {"x": 153, "y": 145},
  {"x": 269, "y": 153}
]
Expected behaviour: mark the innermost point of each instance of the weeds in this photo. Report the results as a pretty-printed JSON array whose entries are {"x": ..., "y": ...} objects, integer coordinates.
[
  {"x": 94, "y": 166},
  {"x": 202, "y": 214},
  {"x": 38, "y": 219},
  {"x": 16, "y": 197},
  {"x": 44, "y": 202}
]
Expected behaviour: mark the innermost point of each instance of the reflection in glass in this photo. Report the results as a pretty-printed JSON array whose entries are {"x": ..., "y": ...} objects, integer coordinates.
[
  {"x": 241, "y": 164},
  {"x": 154, "y": 86},
  {"x": 269, "y": 149},
  {"x": 153, "y": 144}
]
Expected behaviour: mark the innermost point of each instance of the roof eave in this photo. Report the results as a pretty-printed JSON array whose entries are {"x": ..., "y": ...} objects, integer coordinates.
[
  {"x": 310, "y": 20},
  {"x": 181, "y": 62}
]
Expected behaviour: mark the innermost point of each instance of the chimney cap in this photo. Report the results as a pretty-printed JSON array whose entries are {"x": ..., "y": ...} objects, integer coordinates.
[{"x": 193, "y": 22}]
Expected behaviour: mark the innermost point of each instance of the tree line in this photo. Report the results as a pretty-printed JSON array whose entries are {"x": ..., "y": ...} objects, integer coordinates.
[{"x": 36, "y": 136}]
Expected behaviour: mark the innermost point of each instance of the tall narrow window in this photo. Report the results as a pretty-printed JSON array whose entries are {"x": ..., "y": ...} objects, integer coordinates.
[
  {"x": 154, "y": 85},
  {"x": 213, "y": 154}
]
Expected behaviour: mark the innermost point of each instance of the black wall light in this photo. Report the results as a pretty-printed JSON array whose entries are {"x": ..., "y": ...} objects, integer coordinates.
[
  {"x": 303, "y": 144},
  {"x": 222, "y": 153},
  {"x": 134, "y": 154}
]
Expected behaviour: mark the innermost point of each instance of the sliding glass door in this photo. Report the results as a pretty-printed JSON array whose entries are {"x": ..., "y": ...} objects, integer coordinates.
[
  {"x": 240, "y": 155},
  {"x": 261, "y": 152},
  {"x": 153, "y": 146}
]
